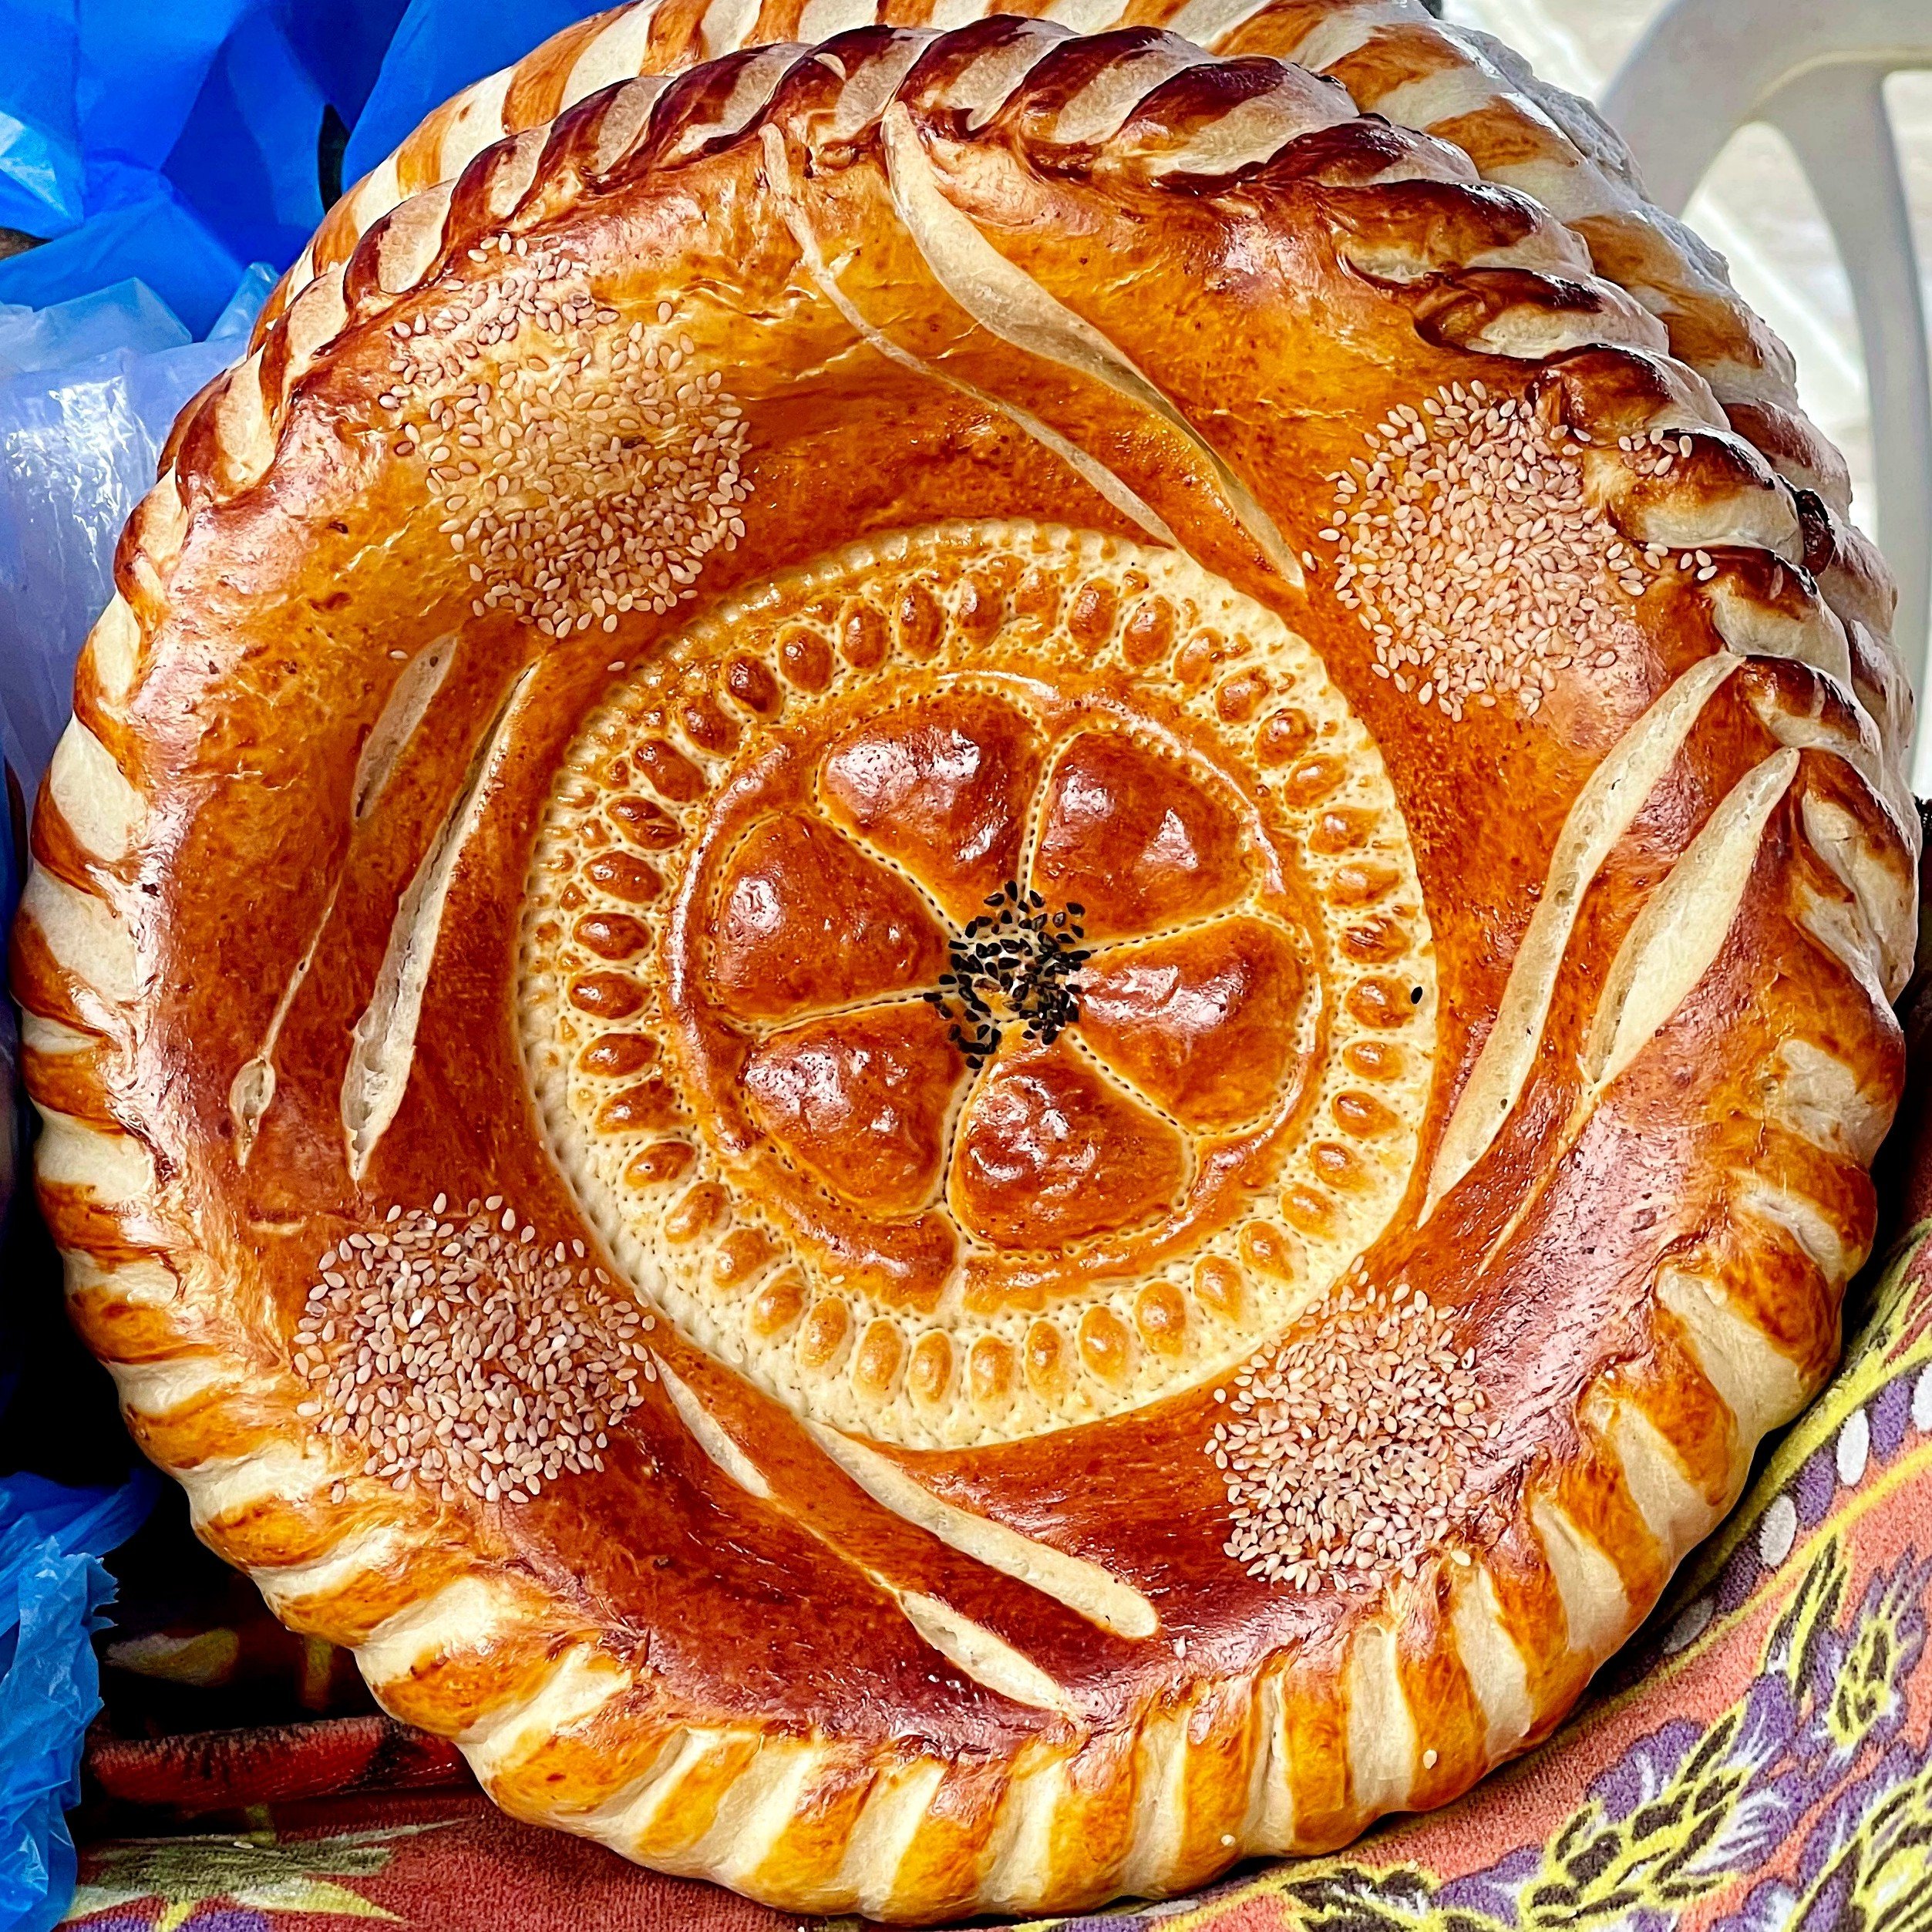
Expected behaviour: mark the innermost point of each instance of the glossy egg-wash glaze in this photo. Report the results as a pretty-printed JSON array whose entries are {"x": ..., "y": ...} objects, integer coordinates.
[
  {"x": 984, "y": 1170},
  {"x": 967, "y": 956}
]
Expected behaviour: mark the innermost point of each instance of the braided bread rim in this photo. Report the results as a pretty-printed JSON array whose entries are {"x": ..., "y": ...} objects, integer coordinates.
[
  {"x": 1591, "y": 1544},
  {"x": 1585, "y": 175}
]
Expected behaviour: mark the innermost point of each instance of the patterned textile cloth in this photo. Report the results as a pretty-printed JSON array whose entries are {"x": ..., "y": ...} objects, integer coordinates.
[{"x": 1758, "y": 1760}]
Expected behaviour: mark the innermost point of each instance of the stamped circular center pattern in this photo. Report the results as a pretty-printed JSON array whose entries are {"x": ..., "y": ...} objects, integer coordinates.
[{"x": 979, "y": 983}]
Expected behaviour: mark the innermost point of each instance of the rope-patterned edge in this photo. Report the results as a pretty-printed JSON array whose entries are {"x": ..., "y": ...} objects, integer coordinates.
[{"x": 1299, "y": 1753}]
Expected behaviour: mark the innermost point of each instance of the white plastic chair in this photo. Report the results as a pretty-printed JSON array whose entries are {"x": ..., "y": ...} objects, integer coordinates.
[{"x": 1815, "y": 70}]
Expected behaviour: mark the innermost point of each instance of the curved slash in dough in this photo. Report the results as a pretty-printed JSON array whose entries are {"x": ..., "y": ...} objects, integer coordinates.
[
  {"x": 1007, "y": 302},
  {"x": 966, "y": 1645},
  {"x": 385, "y": 1049},
  {"x": 1671, "y": 945},
  {"x": 1084, "y": 1588},
  {"x": 1673, "y": 941},
  {"x": 1615, "y": 793},
  {"x": 1089, "y": 469},
  {"x": 711, "y": 1434},
  {"x": 252, "y": 1091}
]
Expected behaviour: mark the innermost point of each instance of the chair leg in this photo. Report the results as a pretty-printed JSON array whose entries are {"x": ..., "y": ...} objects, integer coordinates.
[{"x": 1835, "y": 119}]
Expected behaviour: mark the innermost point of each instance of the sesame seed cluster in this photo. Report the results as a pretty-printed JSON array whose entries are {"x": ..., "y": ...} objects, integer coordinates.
[
  {"x": 1469, "y": 549},
  {"x": 458, "y": 1353},
  {"x": 1343, "y": 1449},
  {"x": 580, "y": 468},
  {"x": 972, "y": 610}
]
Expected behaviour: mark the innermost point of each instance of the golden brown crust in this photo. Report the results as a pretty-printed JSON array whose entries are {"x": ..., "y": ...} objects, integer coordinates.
[
  {"x": 1465, "y": 89},
  {"x": 560, "y": 704}
]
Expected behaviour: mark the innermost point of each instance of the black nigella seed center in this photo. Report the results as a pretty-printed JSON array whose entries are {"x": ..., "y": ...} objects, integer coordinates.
[{"x": 1016, "y": 962}]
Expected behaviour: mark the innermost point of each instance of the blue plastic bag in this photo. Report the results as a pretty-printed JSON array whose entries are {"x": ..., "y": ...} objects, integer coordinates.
[
  {"x": 42, "y": 174},
  {"x": 440, "y": 47},
  {"x": 53, "y": 1588},
  {"x": 159, "y": 241},
  {"x": 174, "y": 140},
  {"x": 128, "y": 316}
]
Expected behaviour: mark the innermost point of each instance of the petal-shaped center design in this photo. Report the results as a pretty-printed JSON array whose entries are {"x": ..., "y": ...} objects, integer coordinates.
[
  {"x": 1049, "y": 1152},
  {"x": 1132, "y": 838},
  {"x": 949, "y": 1005},
  {"x": 805, "y": 919},
  {"x": 861, "y": 1100},
  {"x": 942, "y": 785},
  {"x": 1203, "y": 1022}
]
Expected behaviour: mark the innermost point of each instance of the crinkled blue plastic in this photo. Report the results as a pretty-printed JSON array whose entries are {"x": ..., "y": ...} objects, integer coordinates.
[
  {"x": 128, "y": 316},
  {"x": 343, "y": 44},
  {"x": 196, "y": 123},
  {"x": 440, "y": 47},
  {"x": 246, "y": 158},
  {"x": 42, "y": 174},
  {"x": 160, "y": 241},
  {"x": 52, "y": 1590}
]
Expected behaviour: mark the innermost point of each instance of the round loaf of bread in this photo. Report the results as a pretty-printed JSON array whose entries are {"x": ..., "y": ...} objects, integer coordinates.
[{"x": 967, "y": 956}]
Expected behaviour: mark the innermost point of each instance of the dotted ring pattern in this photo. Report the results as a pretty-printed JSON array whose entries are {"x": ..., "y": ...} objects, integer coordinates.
[{"x": 629, "y": 803}]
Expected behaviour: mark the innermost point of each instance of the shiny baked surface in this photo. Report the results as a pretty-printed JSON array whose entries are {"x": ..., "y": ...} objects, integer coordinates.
[
  {"x": 968, "y": 956},
  {"x": 1049, "y": 915}
]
